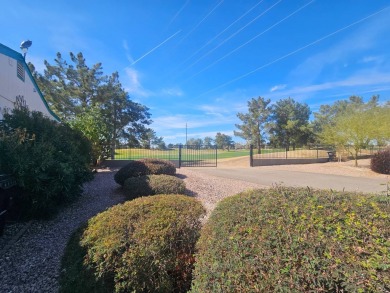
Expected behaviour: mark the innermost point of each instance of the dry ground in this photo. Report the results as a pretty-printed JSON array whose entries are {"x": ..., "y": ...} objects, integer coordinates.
[{"x": 337, "y": 168}]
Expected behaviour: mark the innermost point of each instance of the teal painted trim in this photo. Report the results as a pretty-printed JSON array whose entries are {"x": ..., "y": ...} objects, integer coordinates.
[
  {"x": 19, "y": 57},
  {"x": 11, "y": 53},
  {"x": 39, "y": 92}
]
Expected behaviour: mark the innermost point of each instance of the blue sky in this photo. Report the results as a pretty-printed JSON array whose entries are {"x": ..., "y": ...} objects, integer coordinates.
[{"x": 198, "y": 62}]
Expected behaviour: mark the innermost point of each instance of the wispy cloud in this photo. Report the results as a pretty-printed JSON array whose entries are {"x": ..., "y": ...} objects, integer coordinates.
[
  {"x": 278, "y": 87},
  {"x": 127, "y": 51},
  {"x": 193, "y": 121},
  {"x": 172, "y": 92},
  {"x": 373, "y": 59},
  {"x": 360, "y": 41},
  {"x": 363, "y": 81},
  {"x": 133, "y": 85}
]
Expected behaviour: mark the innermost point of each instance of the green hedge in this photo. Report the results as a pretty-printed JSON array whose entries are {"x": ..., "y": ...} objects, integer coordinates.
[
  {"x": 49, "y": 160},
  {"x": 295, "y": 240},
  {"x": 145, "y": 245},
  {"x": 153, "y": 184},
  {"x": 144, "y": 167}
]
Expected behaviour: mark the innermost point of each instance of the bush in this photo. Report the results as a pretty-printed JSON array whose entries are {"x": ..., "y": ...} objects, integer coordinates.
[
  {"x": 144, "y": 167},
  {"x": 145, "y": 245},
  {"x": 380, "y": 162},
  {"x": 49, "y": 160},
  {"x": 132, "y": 169},
  {"x": 158, "y": 167},
  {"x": 153, "y": 184},
  {"x": 295, "y": 240}
]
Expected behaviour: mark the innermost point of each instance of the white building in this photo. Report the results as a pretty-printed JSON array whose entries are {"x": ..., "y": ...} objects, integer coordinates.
[{"x": 17, "y": 82}]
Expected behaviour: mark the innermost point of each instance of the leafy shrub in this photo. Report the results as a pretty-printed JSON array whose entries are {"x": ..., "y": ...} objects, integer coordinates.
[
  {"x": 144, "y": 167},
  {"x": 380, "y": 162},
  {"x": 153, "y": 184},
  {"x": 145, "y": 245},
  {"x": 295, "y": 240},
  {"x": 49, "y": 160},
  {"x": 132, "y": 169},
  {"x": 75, "y": 276},
  {"x": 158, "y": 167}
]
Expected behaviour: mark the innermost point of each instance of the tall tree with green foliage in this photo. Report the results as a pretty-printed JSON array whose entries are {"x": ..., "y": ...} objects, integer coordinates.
[
  {"x": 208, "y": 142},
  {"x": 253, "y": 122},
  {"x": 327, "y": 113},
  {"x": 357, "y": 125},
  {"x": 290, "y": 123},
  {"x": 195, "y": 142},
  {"x": 74, "y": 90},
  {"x": 224, "y": 141}
]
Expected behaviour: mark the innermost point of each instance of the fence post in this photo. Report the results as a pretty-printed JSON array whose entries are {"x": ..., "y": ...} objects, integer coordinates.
[
  {"x": 180, "y": 146},
  {"x": 317, "y": 152},
  {"x": 216, "y": 156},
  {"x": 251, "y": 155},
  {"x": 286, "y": 152}
]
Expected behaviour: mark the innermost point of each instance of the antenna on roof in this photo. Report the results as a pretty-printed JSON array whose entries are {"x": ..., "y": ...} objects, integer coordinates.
[{"x": 24, "y": 47}]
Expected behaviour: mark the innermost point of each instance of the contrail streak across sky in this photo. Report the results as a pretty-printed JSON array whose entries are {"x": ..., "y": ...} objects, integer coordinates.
[
  {"x": 232, "y": 35},
  {"x": 255, "y": 37},
  {"x": 295, "y": 51},
  {"x": 159, "y": 45},
  {"x": 220, "y": 33},
  {"x": 200, "y": 22}
]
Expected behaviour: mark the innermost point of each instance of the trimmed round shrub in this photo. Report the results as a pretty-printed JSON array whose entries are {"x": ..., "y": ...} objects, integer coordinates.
[
  {"x": 380, "y": 162},
  {"x": 132, "y": 169},
  {"x": 145, "y": 245},
  {"x": 153, "y": 184},
  {"x": 295, "y": 240},
  {"x": 144, "y": 167},
  {"x": 158, "y": 167}
]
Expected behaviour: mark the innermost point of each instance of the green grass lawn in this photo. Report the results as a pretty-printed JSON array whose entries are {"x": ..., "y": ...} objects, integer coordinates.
[
  {"x": 187, "y": 154},
  {"x": 173, "y": 154}
]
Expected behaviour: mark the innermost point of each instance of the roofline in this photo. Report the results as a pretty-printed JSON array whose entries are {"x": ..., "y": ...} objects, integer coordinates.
[{"x": 19, "y": 57}]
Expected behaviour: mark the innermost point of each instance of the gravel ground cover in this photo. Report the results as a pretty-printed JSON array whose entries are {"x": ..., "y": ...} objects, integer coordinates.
[{"x": 31, "y": 263}]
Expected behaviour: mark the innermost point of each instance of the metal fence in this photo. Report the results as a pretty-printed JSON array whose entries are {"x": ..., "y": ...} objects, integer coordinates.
[
  {"x": 305, "y": 155},
  {"x": 181, "y": 156}
]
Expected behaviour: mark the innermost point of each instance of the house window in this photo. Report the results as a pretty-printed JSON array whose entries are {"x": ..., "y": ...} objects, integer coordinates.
[{"x": 20, "y": 71}]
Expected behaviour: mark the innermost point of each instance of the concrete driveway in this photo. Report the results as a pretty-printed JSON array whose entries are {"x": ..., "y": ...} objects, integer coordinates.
[{"x": 268, "y": 177}]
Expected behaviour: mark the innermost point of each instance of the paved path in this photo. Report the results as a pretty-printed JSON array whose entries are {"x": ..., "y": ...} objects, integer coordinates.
[{"x": 298, "y": 179}]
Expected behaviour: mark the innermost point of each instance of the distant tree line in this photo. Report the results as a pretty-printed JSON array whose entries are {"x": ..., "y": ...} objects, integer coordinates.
[
  {"x": 221, "y": 141},
  {"x": 286, "y": 124}
]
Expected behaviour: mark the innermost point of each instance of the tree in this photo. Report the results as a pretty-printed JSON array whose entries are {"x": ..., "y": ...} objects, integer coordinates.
[
  {"x": 194, "y": 143},
  {"x": 357, "y": 125},
  {"x": 159, "y": 143},
  {"x": 290, "y": 123},
  {"x": 223, "y": 141},
  {"x": 125, "y": 119},
  {"x": 94, "y": 128},
  {"x": 74, "y": 90},
  {"x": 208, "y": 142},
  {"x": 253, "y": 122},
  {"x": 327, "y": 113},
  {"x": 145, "y": 140}
]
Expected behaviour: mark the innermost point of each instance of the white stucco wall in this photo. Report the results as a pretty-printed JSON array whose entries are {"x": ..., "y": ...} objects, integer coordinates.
[{"x": 12, "y": 86}]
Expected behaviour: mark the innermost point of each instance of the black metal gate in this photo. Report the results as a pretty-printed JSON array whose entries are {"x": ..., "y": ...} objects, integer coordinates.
[
  {"x": 198, "y": 156},
  {"x": 181, "y": 156}
]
